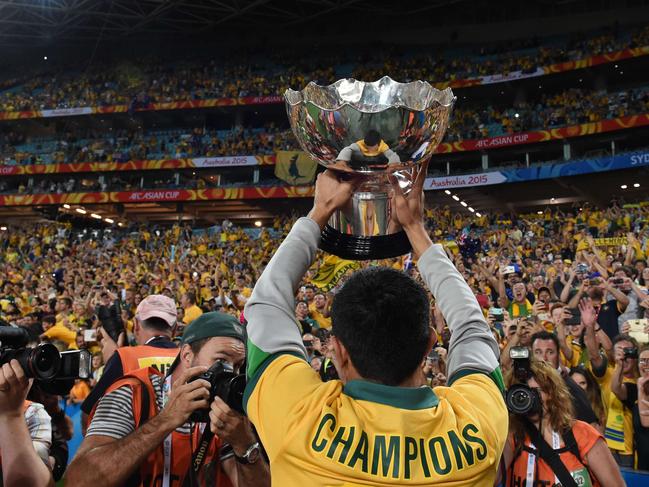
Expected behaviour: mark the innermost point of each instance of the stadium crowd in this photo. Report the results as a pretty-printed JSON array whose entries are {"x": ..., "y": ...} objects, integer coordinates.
[
  {"x": 571, "y": 284},
  {"x": 570, "y": 107},
  {"x": 138, "y": 87},
  {"x": 132, "y": 145}
]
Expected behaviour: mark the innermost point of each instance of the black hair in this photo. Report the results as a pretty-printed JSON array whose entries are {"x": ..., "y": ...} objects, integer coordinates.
[
  {"x": 156, "y": 323},
  {"x": 49, "y": 319},
  {"x": 372, "y": 137},
  {"x": 545, "y": 335},
  {"x": 382, "y": 317},
  {"x": 191, "y": 297}
]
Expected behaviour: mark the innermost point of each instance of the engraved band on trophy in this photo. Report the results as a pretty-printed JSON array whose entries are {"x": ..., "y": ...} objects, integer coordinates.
[{"x": 367, "y": 131}]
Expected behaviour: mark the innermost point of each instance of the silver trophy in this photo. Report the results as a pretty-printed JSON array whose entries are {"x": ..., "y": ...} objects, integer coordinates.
[{"x": 368, "y": 131}]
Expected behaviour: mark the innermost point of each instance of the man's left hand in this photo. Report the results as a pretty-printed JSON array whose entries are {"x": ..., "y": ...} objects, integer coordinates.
[
  {"x": 331, "y": 193},
  {"x": 231, "y": 427}
]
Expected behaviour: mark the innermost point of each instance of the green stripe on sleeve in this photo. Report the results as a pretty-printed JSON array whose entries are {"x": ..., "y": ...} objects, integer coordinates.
[
  {"x": 259, "y": 370},
  {"x": 256, "y": 357},
  {"x": 496, "y": 375}
]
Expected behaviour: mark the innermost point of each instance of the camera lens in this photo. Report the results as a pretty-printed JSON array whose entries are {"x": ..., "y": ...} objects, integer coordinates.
[
  {"x": 520, "y": 399},
  {"x": 42, "y": 362}
]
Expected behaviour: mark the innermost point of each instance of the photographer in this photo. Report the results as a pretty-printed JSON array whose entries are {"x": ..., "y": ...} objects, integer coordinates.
[
  {"x": 140, "y": 434},
  {"x": 545, "y": 346},
  {"x": 25, "y": 432},
  {"x": 351, "y": 431},
  {"x": 154, "y": 324},
  {"x": 547, "y": 446}
]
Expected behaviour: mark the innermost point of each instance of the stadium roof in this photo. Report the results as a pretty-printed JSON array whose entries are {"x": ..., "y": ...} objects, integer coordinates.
[{"x": 54, "y": 20}]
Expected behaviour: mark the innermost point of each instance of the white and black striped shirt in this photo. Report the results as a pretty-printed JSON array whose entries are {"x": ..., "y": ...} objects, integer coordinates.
[{"x": 114, "y": 414}]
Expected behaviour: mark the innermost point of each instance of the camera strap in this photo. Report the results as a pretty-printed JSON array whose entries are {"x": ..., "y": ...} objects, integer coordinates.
[
  {"x": 198, "y": 457},
  {"x": 547, "y": 454},
  {"x": 166, "y": 445}
]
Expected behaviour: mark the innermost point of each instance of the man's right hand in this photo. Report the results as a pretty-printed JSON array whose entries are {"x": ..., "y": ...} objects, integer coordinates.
[
  {"x": 588, "y": 313},
  {"x": 14, "y": 386},
  {"x": 185, "y": 398},
  {"x": 409, "y": 209}
]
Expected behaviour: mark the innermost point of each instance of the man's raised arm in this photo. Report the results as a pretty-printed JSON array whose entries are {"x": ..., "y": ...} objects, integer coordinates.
[
  {"x": 270, "y": 309},
  {"x": 272, "y": 328},
  {"x": 473, "y": 348}
]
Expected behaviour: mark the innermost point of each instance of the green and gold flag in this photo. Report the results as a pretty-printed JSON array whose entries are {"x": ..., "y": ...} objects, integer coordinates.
[
  {"x": 330, "y": 272},
  {"x": 295, "y": 167}
]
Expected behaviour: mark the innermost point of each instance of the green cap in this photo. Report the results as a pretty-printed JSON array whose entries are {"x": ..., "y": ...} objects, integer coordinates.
[{"x": 213, "y": 324}]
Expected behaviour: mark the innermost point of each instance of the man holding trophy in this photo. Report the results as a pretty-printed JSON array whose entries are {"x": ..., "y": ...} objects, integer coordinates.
[{"x": 379, "y": 424}]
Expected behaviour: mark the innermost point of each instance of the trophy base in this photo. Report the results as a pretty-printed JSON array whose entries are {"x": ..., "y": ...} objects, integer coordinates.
[{"x": 355, "y": 247}]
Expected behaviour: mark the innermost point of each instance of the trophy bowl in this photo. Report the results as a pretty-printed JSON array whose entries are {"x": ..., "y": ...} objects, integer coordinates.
[{"x": 368, "y": 131}]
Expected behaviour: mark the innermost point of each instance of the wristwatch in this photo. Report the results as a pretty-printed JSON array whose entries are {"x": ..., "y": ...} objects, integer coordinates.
[{"x": 251, "y": 456}]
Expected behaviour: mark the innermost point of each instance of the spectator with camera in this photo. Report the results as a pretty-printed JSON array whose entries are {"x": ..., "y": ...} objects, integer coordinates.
[
  {"x": 109, "y": 313},
  {"x": 635, "y": 397},
  {"x": 25, "y": 432},
  {"x": 607, "y": 298},
  {"x": 142, "y": 431},
  {"x": 572, "y": 331},
  {"x": 547, "y": 445},
  {"x": 519, "y": 333},
  {"x": 619, "y": 419}
]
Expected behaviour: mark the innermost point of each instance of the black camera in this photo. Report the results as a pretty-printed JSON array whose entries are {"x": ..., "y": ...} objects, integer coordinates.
[
  {"x": 520, "y": 398},
  {"x": 630, "y": 352},
  {"x": 43, "y": 363},
  {"x": 110, "y": 319},
  {"x": 225, "y": 384}
]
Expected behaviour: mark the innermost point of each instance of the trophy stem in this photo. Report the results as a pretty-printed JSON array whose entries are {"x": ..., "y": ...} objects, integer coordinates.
[{"x": 356, "y": 247}]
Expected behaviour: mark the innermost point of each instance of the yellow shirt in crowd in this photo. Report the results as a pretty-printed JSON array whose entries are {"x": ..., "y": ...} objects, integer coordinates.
[
  {"x": 62, "y": 333},
  {"x": 322, "y": 320},
  {"x": 619, "y": 423},
  {"x": 191, "y": 314}
]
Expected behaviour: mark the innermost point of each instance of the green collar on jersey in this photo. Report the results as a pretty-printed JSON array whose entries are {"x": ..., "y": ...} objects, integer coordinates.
[{"x": 399, "y": 397}]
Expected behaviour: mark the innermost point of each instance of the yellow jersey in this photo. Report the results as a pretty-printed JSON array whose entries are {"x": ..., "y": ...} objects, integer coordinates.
[
  {"x": 322, "y": 320},
  {"x": 619, "y": 421},
  {"x": 364, "y": 433}
]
